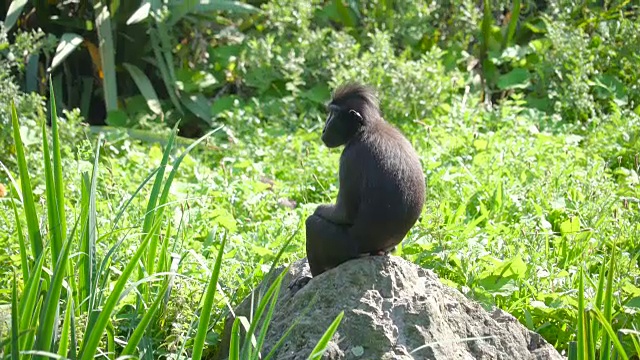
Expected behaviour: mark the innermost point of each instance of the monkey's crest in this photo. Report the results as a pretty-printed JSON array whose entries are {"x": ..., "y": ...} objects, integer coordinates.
[
  {"x": 356, "y": 93},
  {"x": 352, "y": 90}
]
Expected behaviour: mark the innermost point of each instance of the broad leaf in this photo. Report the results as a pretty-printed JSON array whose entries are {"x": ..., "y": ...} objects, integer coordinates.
[
  {"x": 15, "y": 9},
  {"x": 68, "y": 43},
  {"x": 144, "y": 84},
  {"x": 515, "y": 79},
  {"x": 141, "y": 14}
]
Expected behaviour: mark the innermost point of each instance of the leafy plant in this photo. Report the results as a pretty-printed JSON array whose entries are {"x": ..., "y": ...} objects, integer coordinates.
[{"x": 140, "y": 31}]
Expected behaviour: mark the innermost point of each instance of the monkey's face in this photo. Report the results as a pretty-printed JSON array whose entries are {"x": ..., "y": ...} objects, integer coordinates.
[{"x": 341, "y": 126}]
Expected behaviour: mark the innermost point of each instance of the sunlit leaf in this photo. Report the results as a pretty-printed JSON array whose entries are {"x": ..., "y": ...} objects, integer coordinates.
[
  {"x": 141, "y": 14},
  {"x": 68, "y": 43},
  {"x": 145, "y": 87},
  {"x": 15, "y": 9}
]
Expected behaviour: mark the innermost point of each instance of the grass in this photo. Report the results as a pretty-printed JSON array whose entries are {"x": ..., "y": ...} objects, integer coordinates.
[
  {"x": 57, "y": 292},
  {"x": 527, "y": 219}
]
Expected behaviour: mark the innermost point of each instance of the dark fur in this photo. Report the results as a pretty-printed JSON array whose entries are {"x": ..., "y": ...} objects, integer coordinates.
[{"x": 382, "y": 185}]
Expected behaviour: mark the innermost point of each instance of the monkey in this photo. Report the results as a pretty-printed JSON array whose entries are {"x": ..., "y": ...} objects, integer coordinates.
[{"x": 381, "y": 190}]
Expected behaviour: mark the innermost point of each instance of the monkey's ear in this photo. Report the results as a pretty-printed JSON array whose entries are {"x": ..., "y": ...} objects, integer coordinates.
[{"x": 356, "y": 115}]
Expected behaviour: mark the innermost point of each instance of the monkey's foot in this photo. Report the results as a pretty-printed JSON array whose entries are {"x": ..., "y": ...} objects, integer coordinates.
[
  {"x": 383, "y": 252},
  {"x": 299, "y": 283}
]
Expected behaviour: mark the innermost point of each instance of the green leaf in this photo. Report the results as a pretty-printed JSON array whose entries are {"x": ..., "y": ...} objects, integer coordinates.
[
  {"x": 346, "y": 17},
  {"x": 57, "y": 166},
  {"x": 633, "y": 303},
  {"x": 319, "y": 94},
  {"x": 515, "y": 79},
  {"x": 33, "y": 225},
  {"x": 15, "y": 348},
  {"x": 225, "y": 219},
  {"x": 15, "y": 9},
  {"x": 145, "y": 87},
  {"x": 223, "y": 103},
  {"x": 141, "y": 14},
  {"x": 511, "y": 29},
  {"x": 234, "y": 347},
  {"x": 570, "y": 226},
  {"x": 198, "y": 105},
  {"x": 117, "y": 118},
  {"x": 205, "y": 313},
  {"x": 63, "y": 346},
  {"x": 50, "y": 307},
  {"x": 321, "y": 346},
  {"x": 68, "y": 43},
  {"x": 107, "y": 56},
  {"x": 183, "y": 8}
]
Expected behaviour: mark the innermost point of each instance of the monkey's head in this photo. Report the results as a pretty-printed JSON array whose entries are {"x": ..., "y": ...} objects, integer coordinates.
[{"x": 352, "y": 109}]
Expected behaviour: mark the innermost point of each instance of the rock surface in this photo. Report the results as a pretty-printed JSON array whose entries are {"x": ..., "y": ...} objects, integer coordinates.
[{"x": 393, "y": 310}]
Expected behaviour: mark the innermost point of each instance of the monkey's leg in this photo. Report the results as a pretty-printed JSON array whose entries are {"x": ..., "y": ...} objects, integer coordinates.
[{"x": 328, "y": 244}]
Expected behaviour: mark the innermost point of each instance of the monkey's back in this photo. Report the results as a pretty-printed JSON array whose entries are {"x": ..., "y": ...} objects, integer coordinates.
[{"x": 391, "y": 183}]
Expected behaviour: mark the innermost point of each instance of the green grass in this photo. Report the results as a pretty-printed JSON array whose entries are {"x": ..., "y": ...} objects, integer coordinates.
[
  {"x": 92, "y": 291},
  {"x": 514, "y": 217}
]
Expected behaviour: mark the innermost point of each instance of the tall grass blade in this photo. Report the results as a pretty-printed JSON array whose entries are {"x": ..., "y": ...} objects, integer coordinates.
[
  {"x": 205, "y": 313},
  {"x": 291, "y": 327},
  {"x": 51, "y": 304},
  {"x": 95, "y": 332},
  {"x": 572, "y": 351},
  {"x": 33, "y": 227},
  {"x": 63, "y": 345},
  {"x": 15, "y": 320},
  {"x": 605, "y": 344},
  {"x": 246, "y": 348},
  {"x": 606, "y": 325},
  {"x": 595, "y": 329},
  {"x": 234, "y": 342},
  {"x": 107, "y": 55},
  {"x": 111, "y": 343},
  {"x": 513, "y": 23},
  {"x": 52, "y": 206},
  {"x": 57, "y": 164},
  {"x": 29, "y": 300},
  {"x": 150, "y": 214},
  {"x": 137, "y": 334},
  {"x": 265, "y": 324},
  {"x": 164, "y": 67},
  {"x": 167, "y": 187},
  {"x": 583, "y": 343},
  {"x": 87, "y": 263},
  {"x": 321, "y": 346},
  {"x": 24, "y": 261}
]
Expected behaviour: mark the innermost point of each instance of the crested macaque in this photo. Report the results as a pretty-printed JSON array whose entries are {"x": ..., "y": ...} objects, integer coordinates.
[{"x": 382, "y": 185}]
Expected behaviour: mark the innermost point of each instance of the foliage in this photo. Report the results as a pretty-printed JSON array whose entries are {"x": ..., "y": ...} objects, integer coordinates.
[
  {"x": 116, "y": 58},
  {"x": 91, "y": 294}
]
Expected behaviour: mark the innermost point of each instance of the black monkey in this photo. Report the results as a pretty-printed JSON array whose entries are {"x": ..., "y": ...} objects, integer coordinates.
[{"x": 382, "y": 185}]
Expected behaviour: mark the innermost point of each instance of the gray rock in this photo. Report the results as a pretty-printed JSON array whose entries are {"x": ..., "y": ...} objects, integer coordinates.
[{"x": 394, "y": 309}]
